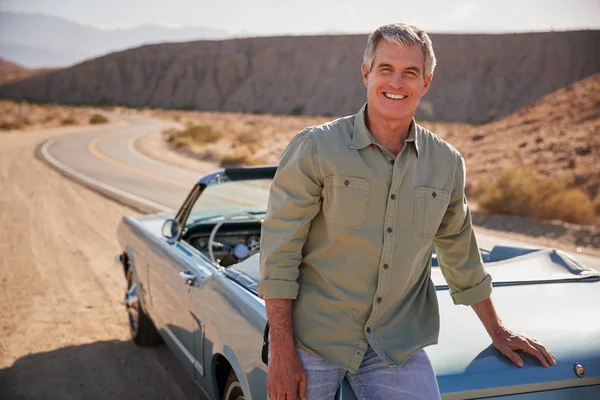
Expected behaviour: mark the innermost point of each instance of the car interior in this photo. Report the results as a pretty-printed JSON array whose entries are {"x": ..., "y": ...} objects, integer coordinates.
[{"x": 234, "y": 240}]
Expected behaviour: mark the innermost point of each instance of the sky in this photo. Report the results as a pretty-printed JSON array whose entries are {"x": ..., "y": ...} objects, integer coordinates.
[{"x": 297, "y": 17}]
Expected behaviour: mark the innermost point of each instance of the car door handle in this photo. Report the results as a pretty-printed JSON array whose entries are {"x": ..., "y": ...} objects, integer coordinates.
[{"x": 187, "y": 278}]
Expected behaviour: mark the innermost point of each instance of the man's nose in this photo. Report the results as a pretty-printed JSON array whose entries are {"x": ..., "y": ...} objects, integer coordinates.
[{"x": 396, "y": 81}]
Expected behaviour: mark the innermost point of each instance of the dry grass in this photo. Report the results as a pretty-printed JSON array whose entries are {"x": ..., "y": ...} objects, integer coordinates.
[
  {"x": 22, "y": 115},
  {"x": 262, "y": 137},
  {"x": 522, "y": 191}
]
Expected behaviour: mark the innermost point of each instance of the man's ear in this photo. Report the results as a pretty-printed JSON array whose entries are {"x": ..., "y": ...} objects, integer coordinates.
[
  {"x": 365, "y": 73},
  {"x": 426, "y": 84}
]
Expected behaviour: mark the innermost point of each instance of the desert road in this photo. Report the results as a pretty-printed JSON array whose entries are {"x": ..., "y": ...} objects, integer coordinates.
[{"x": 107, "y": 161}]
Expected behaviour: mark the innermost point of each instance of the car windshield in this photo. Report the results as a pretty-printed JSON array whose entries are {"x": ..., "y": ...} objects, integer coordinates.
[{"x": 231, "y": 197}]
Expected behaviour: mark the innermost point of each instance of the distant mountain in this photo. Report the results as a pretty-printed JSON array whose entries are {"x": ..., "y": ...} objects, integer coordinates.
[
  {"x": 478, "y": 78},
  {"x": 37, "y": 40}
]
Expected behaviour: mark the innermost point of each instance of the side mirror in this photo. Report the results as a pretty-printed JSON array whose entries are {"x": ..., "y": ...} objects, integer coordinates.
[{"x": 172, "y": 229}]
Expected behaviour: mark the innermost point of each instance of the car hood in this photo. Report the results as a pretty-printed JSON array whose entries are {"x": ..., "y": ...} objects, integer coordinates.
[
  {"x": 543, "y": 294},
  {"x": 563, "y": 317}
]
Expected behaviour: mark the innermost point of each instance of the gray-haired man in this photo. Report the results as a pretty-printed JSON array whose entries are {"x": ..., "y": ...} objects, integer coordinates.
[{"x": 355, "y": 208}]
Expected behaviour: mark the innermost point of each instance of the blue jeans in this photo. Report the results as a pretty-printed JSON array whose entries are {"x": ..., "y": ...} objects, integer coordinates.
[{"x": 374, "y": 380}]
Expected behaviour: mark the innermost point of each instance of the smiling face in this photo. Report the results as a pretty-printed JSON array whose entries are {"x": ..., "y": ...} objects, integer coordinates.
[{"x": 395, "y": 82}]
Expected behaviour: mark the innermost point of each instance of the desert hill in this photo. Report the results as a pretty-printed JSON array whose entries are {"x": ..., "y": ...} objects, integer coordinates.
[
  {"x": 10, "y": 72},
  {"x": 558, "y": 135},
  {"x": 479, "y": 77}
]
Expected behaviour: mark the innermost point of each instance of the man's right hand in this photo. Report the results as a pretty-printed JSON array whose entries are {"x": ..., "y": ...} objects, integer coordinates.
[{"x": 287, "y": 377}]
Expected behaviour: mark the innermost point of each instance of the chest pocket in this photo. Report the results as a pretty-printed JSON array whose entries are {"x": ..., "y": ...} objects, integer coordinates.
[
  {"x": 346, "y": 201},
  {"x": 430, "y": 207}
]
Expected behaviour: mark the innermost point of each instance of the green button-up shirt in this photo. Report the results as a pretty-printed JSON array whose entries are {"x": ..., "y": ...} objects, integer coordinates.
[{"x": 349, "y": 234}]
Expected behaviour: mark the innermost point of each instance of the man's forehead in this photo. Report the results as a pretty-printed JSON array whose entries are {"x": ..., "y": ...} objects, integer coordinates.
[{"x": 389, "y": 53}]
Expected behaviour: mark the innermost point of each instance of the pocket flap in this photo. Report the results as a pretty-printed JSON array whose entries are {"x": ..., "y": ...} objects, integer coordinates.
[
  {"x": 431, "y": 193},
  {"x": 349, "y": 182}
]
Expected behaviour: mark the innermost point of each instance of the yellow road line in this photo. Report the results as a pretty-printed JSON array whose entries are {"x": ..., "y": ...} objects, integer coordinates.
[{"x": 93, "y": 149}]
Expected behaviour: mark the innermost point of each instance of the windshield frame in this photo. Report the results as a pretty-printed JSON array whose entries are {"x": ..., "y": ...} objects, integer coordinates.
[{"x": 219, "y": 177}]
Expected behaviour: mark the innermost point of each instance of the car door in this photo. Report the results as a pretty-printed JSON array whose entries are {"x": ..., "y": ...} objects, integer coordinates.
[{"x": 172, "y": 275}]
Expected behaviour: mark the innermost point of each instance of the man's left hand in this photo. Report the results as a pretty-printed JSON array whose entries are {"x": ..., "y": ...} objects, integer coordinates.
[{"x": 506, "y": 342}]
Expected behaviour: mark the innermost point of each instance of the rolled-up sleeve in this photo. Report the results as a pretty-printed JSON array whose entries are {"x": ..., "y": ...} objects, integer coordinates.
[
  {"x": 294, "y": 200},
  {"x": 457, "y": 250}
]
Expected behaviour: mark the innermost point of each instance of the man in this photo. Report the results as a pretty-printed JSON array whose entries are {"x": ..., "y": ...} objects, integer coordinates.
[{"x": 354, "y": 210}]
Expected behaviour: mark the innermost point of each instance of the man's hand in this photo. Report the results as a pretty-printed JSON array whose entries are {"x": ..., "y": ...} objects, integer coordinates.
[
  {"x": 506, "y": 342},
  {"x": 287, "y": 377}
]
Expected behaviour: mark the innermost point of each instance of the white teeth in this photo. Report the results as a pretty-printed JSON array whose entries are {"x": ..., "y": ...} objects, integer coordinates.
[{"x": 394, "y": 96}]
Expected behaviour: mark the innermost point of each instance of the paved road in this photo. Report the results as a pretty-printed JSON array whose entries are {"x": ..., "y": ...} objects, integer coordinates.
[{"x": 106, "y": 160}]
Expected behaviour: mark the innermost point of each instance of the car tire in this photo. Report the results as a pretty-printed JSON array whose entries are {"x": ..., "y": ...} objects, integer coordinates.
[
  {"x": 142, "y": 329},
  {"x": 233, "y": 388}
]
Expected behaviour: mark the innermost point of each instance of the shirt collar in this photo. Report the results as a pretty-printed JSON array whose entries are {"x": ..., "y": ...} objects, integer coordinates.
[{"x": 362, "y": 137}]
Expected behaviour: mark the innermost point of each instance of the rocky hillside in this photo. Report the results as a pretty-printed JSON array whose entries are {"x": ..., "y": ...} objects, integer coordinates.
[
  {"x": 479, "y": 77},
  {"x": 10, "y": 72},
  {"x": 558, "y": 135}
]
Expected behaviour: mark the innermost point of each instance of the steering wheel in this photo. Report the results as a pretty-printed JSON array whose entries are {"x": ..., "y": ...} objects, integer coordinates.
[{"x": 240, "y": 250}]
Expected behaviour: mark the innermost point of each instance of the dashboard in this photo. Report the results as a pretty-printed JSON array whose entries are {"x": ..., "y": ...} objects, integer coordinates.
[{"x": 230, "y": 234}]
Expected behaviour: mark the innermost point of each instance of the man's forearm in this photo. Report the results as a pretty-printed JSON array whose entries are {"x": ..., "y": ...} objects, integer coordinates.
[
  {"x": 489, "y": 318},
  {"x": 279, "y": 313}
]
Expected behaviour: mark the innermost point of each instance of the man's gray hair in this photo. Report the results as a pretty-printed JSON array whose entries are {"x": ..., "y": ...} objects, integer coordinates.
[{"x": 401, "y": 34}]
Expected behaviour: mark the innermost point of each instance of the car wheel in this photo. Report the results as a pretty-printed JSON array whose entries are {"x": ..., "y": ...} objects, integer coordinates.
[
  {"x": 142, "y": 329},
  {"x": 233, "y": 389}
]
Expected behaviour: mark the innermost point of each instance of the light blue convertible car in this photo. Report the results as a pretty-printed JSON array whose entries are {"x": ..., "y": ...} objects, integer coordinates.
[{"x": 192, "y": 275}]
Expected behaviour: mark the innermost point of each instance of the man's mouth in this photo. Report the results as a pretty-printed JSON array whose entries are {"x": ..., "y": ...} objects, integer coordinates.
[{"x": 394, "y": 96}]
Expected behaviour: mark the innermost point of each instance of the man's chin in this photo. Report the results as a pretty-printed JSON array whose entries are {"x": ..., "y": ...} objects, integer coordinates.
[{"x": 395, "y": 112}]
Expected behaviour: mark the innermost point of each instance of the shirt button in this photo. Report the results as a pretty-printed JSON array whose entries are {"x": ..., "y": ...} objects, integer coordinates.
[
  {"x": 368, "y": 330},
  {"x": 392, "y": 162},
  {"x": 385, "y": 266},
  {"x": 434, "y": 195},
  {"x": 379, "y": 299},
  {"x": 346, "y": 182},
  {"x": 389, "y": 229},
  {"x": 393, "y": 196}
]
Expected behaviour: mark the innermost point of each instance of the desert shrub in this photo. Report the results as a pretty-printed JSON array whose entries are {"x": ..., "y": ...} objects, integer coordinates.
[
  {"x": 68, "y": 121},
  {"x": 247, "y": 137},
  {"x": 525, "y": 192},
  {"x": 239, "y": 157},
  {"x": 9, "y": 126},
  {"x": 98, "y": 119},
  {"x": 192, "y": 134}
]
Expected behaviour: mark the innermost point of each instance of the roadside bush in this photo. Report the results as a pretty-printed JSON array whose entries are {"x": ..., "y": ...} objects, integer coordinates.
[
  {"x": 9, "y": 126},
  {"x": 524, "y": 192},
  {"x": 193, "y": 134},
  {"x": 237, "y": 158},
  {"x": 68, "y": 121},
  {"x": 98, "y": 119},
  {"x": 247, "y": 137}
]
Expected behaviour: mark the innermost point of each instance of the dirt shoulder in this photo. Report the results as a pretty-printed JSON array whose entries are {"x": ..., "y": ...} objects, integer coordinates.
[{"x": 63, "y": 327}]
